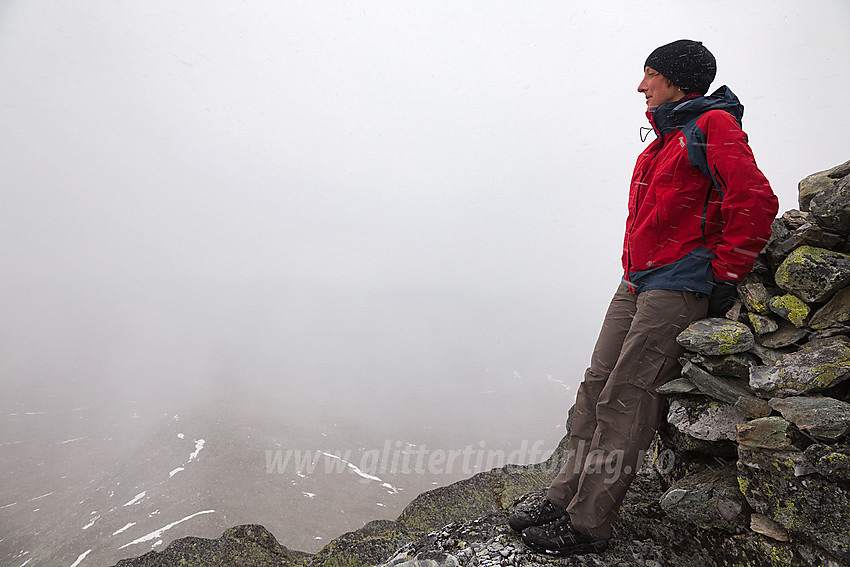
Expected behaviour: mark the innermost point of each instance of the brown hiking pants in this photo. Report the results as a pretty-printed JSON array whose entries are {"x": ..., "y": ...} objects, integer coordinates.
[{"x": 617, "y": 410}]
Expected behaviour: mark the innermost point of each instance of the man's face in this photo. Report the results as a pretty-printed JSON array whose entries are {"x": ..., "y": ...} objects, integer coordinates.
[{"x": 658, "y": 89}]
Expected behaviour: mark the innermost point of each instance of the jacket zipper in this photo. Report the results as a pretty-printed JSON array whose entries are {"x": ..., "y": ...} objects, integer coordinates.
[{"x": 641, "y": 185}]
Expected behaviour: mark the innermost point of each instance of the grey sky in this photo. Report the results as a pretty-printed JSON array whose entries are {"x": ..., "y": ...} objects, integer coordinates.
[
  {"x": 466, "y": 143},
  {"x": 476, "y": 146}
]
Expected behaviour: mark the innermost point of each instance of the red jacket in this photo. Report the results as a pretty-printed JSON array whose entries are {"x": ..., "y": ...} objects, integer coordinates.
[{"x": 673, "y": 207}]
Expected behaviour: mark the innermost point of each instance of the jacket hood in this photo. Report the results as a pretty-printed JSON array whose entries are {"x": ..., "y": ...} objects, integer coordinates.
[{"x": 673, "y": 115}]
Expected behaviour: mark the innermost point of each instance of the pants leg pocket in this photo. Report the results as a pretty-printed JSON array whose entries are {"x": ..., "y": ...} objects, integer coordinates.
[{"x": 657, "y": 362}]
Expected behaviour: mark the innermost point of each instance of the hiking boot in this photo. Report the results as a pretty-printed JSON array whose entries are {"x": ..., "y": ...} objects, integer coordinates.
[
  {"x": 545, "y": 513},
  {"x": 560, "y": 538}
]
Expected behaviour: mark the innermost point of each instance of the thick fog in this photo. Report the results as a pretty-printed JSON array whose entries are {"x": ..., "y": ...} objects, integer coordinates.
[{"x": 404, "y": 217}]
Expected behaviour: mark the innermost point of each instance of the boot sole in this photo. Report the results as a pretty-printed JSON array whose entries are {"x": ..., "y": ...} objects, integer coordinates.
[{"x": 580, "y": 549}]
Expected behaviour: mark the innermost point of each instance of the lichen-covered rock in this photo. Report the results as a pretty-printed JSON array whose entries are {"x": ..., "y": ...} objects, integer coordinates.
[
  {"x": 782, "y": 486},
  {"x": 772, "y": 433},
  {"x": 708, "y": 420},
  {"x": 369, "y": 545},
  {"x": 819, "y": 416},
  {"x": 818, "y": 365},
  {"x": 762, "y": 324},
  {"x": 791, "y": 461},
  {"x": 711, "y": 498},
  {"x": 831, "y": 461},
  {"x": 814, "y": 274},
  {"x": 791, "y": 308},
  {"x": 241, "y": 545},
  {"x": 725, "y": 390},
  {"x": 716, "y": 336},
  {"x": 831, "y": 207},
  {"x": 754, "y": 295},
  {"x": 813, "y": 184},
  {"x": 836, "y": 311}
]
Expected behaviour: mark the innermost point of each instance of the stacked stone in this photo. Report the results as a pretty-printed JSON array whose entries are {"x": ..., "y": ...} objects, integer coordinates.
[{"x": 759, "y": 420}]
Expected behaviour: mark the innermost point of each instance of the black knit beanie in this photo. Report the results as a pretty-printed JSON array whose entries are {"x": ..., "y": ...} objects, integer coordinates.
[{"x": 687, "y": 63}]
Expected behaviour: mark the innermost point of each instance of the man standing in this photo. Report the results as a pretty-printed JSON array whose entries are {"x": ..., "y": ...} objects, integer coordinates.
[{"x": 699, "y": 213}]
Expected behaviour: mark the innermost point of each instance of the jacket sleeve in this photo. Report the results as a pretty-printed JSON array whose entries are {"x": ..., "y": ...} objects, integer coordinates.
[{"x": 748, "y": 206}]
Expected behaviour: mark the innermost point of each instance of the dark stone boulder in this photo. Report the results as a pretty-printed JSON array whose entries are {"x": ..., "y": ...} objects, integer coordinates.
[
  {"x": 813, "y": 184},
  {"x": 731, "y": 366},
  {"x": 821, "y": 417},
  {"x": 706, "y": 419},
  {"x": 785, "y": 335},
  {"x": 711, "y": 498},
  {"x": 726, "y": 390},
  {"x": 835, "y": 313},
  {"x": 774, "y": 433},
  {"x": 831, "y": 207}
]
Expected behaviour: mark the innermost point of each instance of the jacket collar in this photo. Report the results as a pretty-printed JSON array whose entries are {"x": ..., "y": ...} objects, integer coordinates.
[{"x": 673, "y": 115}]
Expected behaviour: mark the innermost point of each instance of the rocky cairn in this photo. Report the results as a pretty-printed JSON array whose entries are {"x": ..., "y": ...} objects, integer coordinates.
[
  {"x": 759, "y": 420},
  {"x": 750, "y": 468}
]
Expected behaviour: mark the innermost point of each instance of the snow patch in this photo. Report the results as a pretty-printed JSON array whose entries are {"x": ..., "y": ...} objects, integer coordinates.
[
  {"x": 93, "y": 520},
  {"x": 181, "y": 436},
  {"x": 160, "y": 531},
  {"x": 199, "y": 444},
  {"x": 79, "y": 559},
  {"x": 309, "y": 494},
  {"x": 124, "y": 529},
  {"x": 175, "y": 471},
  {"x": 70, "y": 440},
  {"x": 390, "y": 488},
  {"x": 138, "y": 497}
]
